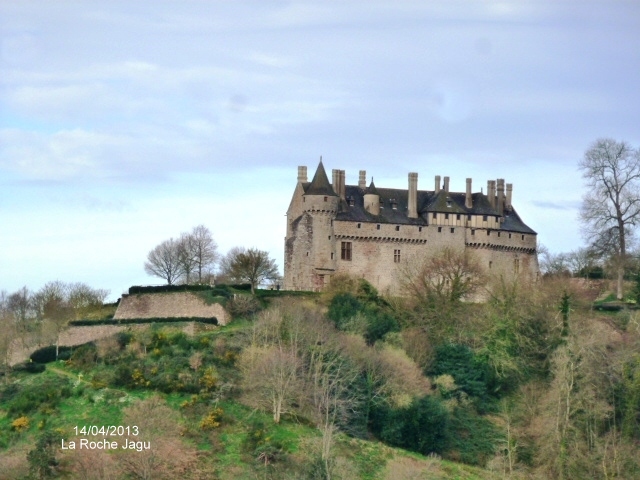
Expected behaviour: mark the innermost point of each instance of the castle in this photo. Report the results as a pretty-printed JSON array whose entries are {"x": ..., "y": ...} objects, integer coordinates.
[{"x": 368, "y": 231}]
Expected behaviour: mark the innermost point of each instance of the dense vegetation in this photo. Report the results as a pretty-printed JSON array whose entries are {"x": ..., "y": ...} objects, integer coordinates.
[{"x": 348, "y": 384}]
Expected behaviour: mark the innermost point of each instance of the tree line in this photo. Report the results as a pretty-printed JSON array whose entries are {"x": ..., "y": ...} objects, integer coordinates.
[{"x": 194, "y": 258}]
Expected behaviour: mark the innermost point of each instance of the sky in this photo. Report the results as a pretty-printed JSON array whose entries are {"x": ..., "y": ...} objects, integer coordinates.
[{"x": 125, "y": 123}]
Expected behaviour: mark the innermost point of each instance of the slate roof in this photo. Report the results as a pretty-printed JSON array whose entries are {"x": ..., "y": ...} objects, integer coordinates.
[{"x": 428, "y": 202}]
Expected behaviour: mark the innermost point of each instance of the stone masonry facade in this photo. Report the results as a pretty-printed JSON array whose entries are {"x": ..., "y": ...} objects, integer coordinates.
[{"x": 370, "y": 232}]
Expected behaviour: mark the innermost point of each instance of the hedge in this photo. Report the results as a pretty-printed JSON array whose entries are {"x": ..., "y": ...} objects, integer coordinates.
[{"x": 135, "y": 321}]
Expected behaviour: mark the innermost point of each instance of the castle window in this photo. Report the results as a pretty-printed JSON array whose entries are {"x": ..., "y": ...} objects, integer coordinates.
[
  {"x": 458, "y": 216},
  {"x": 378, "y": 227},
  {"x": 473, "y": 232},
  {"x": 419, "y": 229},
  {"x": 345, "y": 253},
  {"x": 439, "y": 229},
  {"x": 522, "y": 237},
  {"x": 453, "y": 230},
  {"x": 449, "y": 203},
  {"x": 325, "y": 198},
  {"x": 488, "y": 233},
  {"x": 331, "y": 255},
  {"x": 516, "y": 265},
  {"x": 359, "y": 225},
  {"x": 304, "y": 199},
  {"x": 396, "y": 256},
  {"x": 397, "y": 228},
  {"x": 509, "y": 235},
  {"x": 307, "y": 254},
  {"x": 329, "y": 237},
  {"x": 484, "y": 218},
  {"x": 435, "y": 215},
  {"x": 490, "y": 263},
  {"x": 446, "y": 216},
  {"x": 498, "y": 233},
  {"x": 469, "y": 217}
]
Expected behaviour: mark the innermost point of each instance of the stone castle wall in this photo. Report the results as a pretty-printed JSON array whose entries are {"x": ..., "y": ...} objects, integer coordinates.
[{"x": 169, "y": 305}]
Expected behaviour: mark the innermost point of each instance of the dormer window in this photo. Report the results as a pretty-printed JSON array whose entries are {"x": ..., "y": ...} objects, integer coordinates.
[
  {"x": 351, "y": 201},
  {"x": 448, "y": 203}
]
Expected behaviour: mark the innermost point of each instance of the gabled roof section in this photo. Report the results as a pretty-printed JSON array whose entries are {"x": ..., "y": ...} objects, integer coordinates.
[
  {"x": 445, "y": 202},
  {"x": 320, "y": 184}
]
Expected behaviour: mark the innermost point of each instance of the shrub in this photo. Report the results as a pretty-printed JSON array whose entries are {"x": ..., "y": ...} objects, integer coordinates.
[
  {"x": 212, "y": 419},
  {"x": 472, "y": 438},
  {"x": 84, "y": 357},
  {"x": 45, "y": 396},
  {"x": 421, "y": 427},
  {"x": 48, "y": 354},
  {"x": 342, "y": 307},
  {"x": 29, "y": 367},
  {"x": 243, "y": 305},
  {"x": 380, "y": 323},
  {"x": 20, "y": 424}
]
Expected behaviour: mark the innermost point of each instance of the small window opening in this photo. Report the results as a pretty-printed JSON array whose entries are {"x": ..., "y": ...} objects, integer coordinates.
[
  {"x": 446, "y": 216},
  {"x": 435, "y": 215},
  {"x": 522, "y": 237},
  {"x": 488, "y": 233},
  {"x": 331, "y": 255},
  {"x": 439, "y": 229},
  {"x": 359, "y": 225},
  {"x": 396, "y": 256},
  {"x": 473, "y": 232},
  {"x": 397, "y": 228},
  {"x": 458, "y": 216},
  {"x": 498, "y": 233},
  {"x": 469, "y": 217},
  {"x": 449, "y": 203},
  {"x": 484, "y": 218},
  {"x": 453, "y": 230},
  {"x": 419, "y": 229},
  {"x": 345, "y": 252},
  {"x": 509, "y": 235},
  {"x": 378, "y": 227},
  {"x": 490, "y": 263},
  {"x": 325, "y": 198}
]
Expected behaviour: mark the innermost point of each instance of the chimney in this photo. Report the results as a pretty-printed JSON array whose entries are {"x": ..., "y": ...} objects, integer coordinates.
[
  {"x": 335, "y": 181},
  {"x": 446, "y": 184},
  {"x": 509, "y": 193},
  {"x": 501, "y": 196},
  {"x": 491, "y": 192},
  {"x": 362, "y": 179},
  {"x": 341, "y": 180},
  {"x": 437, "y": 184},
  {"x": 412, "y": 202},
  {"x": 468, "y": 202},
  {"x": 302, "y": 174}
]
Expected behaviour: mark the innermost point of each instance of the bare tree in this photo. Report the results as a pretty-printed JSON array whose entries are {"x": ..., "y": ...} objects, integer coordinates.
[
  {"x": 52, "y": 307},
  {"x": 253, "y": 266},
  {"x": 205, "y": 250},
  {"x": 447, "y": 277},
  {"x": 611, "y": 207},
  {"x": 164, "y": 261}
]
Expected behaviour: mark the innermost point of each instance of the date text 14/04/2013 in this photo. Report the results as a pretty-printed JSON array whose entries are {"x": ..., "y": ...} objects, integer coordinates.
[{"x": 105, "y": 444}]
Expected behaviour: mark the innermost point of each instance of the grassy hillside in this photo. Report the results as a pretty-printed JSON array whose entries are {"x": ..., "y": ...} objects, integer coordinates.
[{"x": 349, "y": 384}]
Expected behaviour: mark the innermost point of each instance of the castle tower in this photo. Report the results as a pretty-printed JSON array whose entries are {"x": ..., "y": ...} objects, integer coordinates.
[{"x": 372, "y": 200}]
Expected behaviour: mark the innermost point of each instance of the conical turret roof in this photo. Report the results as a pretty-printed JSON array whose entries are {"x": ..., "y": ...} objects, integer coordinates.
[
  {"x": 372, "y": 190},
  {"x": 320, "y": 184}
]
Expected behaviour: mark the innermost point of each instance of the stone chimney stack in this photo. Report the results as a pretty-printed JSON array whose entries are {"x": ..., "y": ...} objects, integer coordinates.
[
  {"x": 335, "y": 181},
  {"x": 468, "y": 202},
  {"x": 412, "y": 207},
  {"x": 437, "y": 189},
  {"x": 362, "y": 179},
  {"x": 501, "y": 196},
  {"x": 509, "y": 195},
  {"x": 491, "y": 192},
  {"x": 302, "y": 174},
  {"x": 446, "y": 184},
  {"x": 341, "y": 181}
]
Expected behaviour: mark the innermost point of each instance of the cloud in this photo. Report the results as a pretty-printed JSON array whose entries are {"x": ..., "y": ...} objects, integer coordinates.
[{"x": 568, "y": 205}]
